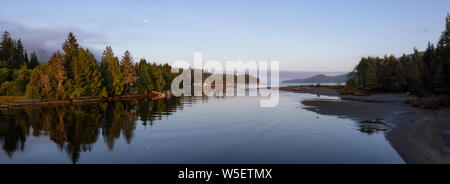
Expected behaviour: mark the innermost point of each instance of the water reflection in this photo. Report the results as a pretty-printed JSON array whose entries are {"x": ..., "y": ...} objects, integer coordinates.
[
  {"x": 75, "y": 128},
  {"x": 371, "y": 127},
  {"x": 188, "y": 130}
]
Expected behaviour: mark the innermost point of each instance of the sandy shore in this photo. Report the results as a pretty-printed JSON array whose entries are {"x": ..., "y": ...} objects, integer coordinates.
[{"x": 419, "y": 136}]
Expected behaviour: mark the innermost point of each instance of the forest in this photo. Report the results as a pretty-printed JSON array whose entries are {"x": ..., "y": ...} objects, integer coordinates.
[
  {"x": 421, "y": 73},
  {"x": 74, "y": 72}
]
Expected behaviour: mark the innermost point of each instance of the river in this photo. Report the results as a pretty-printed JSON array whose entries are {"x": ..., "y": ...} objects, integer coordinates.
[{"x": 189, "y": 130}]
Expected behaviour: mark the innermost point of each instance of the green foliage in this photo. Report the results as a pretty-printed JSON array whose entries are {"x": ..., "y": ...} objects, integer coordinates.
[
  {"x": 7, "y": 88},
  {"x": 12, "y": 52},
  {"x": 111, "y": 72},
  {"x": 159, "y": 82},
  {"x": 21, "y": 78},
  {"x": 144, "y": 82},
  {"x": 86, "y": 74},
  {"x": 17, "y": 86},
  {"x": 57, "y": 76},
  {"x": 46, "y": 81},
  {"x": 39, "y": 85},
  {"x": 129, "y": 74},
  {"x": 103, "y": 93},
  {"x": 75, "y": 73},
  {"x": 421, "y": 73},
  {"x": 70, "y": 91},
  {"x": 70, "y": 48},
  {"x": 34, "y": 62},
  {"x": 5, "y": 75}
]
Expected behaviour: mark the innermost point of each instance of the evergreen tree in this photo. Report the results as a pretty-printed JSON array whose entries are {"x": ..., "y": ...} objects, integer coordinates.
[
  {"x": 27, "y": 61},
  {"x": 19, "y": 58},
  {"x": 129, "y": 74},
  {"x": 144, "y": 82},
  {"x": 56, "y": 76},
  {"x": 70, "y": 48},
  {"x": 6, "y": 46},
  {"x": 168, "y": 75},
  {"x": 429, "y": 67},
  {"x": 34, "y": 62},
  {"x": 443, "y": 50},
  {"x": 111, "y": 72},
  {"x": 86, "y": 74},
  {"x": 159, "y": 80}
]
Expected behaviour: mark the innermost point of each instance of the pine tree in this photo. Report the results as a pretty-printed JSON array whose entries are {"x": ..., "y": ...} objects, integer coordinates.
[
  {"x": 111, "y": 72},
  {"x": 159, "y": 80},
  {"x": 6, "y": 46},
  {"x": 57, "y": 75},
  {"x": 129, "y": 74},
  {"x": 144, "y": 81},
  {"x": 428, "y": 67},
  {"x": 86, "y": 74},
  {"x": 27, "y": 61},
  {"x": 169, "y": 76},
  {"x": 70, "y": 47},
  {"x": 443, "y": 50},
  {"x": 19, "y": 58},
  {"x": 34, "y": 62}
]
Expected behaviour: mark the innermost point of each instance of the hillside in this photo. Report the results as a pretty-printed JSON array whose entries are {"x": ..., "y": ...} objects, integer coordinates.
[{"x": 320, "y": 79}]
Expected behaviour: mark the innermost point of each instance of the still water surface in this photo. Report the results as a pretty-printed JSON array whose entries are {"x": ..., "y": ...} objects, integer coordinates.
[{"x": 188, "y": 130}]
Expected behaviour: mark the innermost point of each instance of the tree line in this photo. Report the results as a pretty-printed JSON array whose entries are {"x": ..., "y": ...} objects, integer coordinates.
[
  {"x": 421, "y": 73},
  {"x": 75, "y": 73}
]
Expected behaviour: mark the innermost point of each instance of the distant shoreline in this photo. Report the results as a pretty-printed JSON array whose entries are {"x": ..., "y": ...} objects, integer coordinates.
[{"x": 419, "y": 136}]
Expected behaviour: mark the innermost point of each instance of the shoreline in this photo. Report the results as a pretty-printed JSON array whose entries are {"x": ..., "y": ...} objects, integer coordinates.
[
  {"x": 24, "y": 103},
  {"x": 419, "y": 136}
]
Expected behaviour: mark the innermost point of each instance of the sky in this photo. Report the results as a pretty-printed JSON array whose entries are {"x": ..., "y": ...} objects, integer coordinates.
[{"x": 320, "y": 35}]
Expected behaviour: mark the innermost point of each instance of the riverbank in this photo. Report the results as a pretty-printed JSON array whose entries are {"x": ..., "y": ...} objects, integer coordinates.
[
  {"x": 419, "y": 136},
  {"x": 323, "y": 90},
  {"x": 20, "y": 101}
]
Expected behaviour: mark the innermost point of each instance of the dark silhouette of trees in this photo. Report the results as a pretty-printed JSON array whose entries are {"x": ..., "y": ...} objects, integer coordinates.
[{"x": 421, "y": 73}]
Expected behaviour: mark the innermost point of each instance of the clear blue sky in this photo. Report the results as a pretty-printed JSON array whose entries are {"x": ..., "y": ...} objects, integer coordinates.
[{"x": 303, "y": 35}]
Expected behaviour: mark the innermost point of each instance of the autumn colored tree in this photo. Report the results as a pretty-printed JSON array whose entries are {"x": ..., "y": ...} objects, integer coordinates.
[
  {"x": 56, "y": 75},
  {"x": 39, "y": 85}
]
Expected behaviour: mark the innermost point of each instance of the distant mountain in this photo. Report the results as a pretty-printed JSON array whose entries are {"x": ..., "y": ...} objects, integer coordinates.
[{"x": 320, "y": 79}]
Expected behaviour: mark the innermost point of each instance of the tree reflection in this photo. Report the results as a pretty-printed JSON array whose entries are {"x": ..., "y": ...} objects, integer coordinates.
[
  {"x": 75, "y": 128},
  {"x": 371, "y": 127}
]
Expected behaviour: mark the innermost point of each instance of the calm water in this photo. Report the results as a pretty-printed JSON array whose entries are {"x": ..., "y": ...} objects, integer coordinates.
[{"x": 188, "y": 130}]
